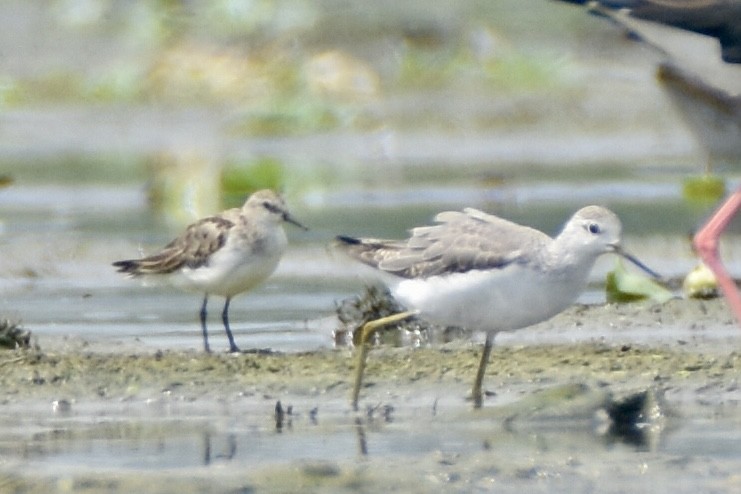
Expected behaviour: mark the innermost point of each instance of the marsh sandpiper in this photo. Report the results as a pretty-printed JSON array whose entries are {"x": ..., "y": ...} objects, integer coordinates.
[
  {"x": 485, "y": 273},
  {"x": 225, "y": 254}
]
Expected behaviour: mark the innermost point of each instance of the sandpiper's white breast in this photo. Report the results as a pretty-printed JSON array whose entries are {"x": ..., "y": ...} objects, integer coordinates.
[
  {"x": 242, "y": 263},
  {"x": 492, "y": 300}
]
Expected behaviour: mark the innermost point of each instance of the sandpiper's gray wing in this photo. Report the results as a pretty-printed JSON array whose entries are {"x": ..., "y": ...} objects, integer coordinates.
[
  {"x": 191, "y": 249},
  {"x": 460, "y": 242}
]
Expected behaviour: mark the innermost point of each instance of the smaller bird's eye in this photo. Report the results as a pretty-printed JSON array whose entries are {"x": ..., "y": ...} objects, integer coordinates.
[
  {"x": 594, "y": 228},
  {"x": 271, "y": 207}
]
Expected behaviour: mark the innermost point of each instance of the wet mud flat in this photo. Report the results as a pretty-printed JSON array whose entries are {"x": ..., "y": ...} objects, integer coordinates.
[{"x": 76, "y": 420}]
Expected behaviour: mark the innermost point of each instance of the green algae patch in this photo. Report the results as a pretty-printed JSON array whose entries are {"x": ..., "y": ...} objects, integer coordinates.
[
  {"x": 238, "y": 180},
  {"x": 624, "y": 286},
  {"x": 704, "y": 189}
]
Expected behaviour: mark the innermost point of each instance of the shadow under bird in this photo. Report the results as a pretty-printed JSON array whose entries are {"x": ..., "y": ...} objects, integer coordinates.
[
  {"x": 485, "y": 273},
  {"x": 225, "y": 254}
]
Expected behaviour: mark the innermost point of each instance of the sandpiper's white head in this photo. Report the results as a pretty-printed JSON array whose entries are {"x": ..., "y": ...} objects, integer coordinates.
[
  {"x": 592, "y": 231},
  {"x": 269, "y": 206}
]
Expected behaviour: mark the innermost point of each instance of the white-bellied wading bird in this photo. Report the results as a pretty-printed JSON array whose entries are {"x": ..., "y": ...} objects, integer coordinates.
[
  {"x": 225, "y": 254},
  {"x": 485, "y": 273}
]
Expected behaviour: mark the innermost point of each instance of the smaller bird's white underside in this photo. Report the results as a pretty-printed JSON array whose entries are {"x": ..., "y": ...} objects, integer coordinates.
[
  {"x": 237, "y": 267},
  {"x": 501, "y": 299}
]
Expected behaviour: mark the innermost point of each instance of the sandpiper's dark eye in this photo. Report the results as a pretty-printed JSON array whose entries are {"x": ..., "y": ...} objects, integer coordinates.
[
  {"x": 271, "y": 207},
  {"x": 594, "y": 228}
]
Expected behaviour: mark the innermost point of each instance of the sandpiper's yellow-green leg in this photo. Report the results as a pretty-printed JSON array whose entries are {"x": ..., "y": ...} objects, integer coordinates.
[
  {"x": 476, "y": 393},
  {"x": 365, "y": 333}
]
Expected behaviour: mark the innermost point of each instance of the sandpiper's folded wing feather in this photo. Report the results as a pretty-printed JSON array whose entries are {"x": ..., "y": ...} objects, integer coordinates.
[
  {"x": 460, "y": 242},
  {"x": 370, "y": 251},
  {"x": 191, "y": 249}
]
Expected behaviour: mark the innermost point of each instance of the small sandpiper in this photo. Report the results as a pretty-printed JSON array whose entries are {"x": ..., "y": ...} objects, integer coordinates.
[
  {"x": 485, "y": 273},
  {"x": 225, "y": 254}
]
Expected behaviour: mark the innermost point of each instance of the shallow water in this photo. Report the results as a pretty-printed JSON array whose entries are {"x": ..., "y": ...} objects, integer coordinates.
[
  {"x": 59, "y": 281},
  {"x": 412, "y": 447}
]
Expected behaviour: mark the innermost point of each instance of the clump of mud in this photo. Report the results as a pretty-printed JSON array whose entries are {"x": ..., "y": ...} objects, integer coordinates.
[
  {"x": 12, "y": 336},
  {"x": 377, "y": 302}
]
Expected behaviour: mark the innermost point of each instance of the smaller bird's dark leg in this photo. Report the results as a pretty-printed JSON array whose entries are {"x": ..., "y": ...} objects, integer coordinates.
[
  {"x": 203, "y": 324},
  {"x": 225, "y": 317},
  {"x": 477, "y": 393}
]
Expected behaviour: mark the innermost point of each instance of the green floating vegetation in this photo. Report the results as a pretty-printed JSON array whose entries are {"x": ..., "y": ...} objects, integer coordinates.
[
  {"x": 121, "y": 84},
  {"x": 520, "y": 72},
  {"x": 289, "y": 116},
  {"x": 625, "y": 286},
  {"x": 238, "y": 180},
  {"x": 704, "y": 189},
  {"x": 424, "y": 67},
  {"x": 10, "y": 92},
  {"x": 74, "y": 168}
]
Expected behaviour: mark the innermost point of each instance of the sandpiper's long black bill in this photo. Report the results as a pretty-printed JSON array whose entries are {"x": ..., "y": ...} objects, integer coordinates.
[
  {"x": 638, "y": 263},
  {"x": 289, "y": 219}
]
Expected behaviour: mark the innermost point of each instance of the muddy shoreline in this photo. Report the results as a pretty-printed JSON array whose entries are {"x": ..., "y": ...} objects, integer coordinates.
[
  {"x": 689, "y": 359},
  {"x": 634, "y": 343}
]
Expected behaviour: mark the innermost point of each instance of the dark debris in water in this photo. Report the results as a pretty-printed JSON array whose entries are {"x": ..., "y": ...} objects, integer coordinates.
[
  {"x": 377, "y": 302},
  {"x": 385, "y": 411},
  {"x": 12, "y": 336},
  {"x": 637, "y": 419}
]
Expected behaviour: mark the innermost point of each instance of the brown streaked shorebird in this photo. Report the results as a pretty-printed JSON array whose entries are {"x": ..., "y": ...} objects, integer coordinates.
[
  {"x": 485, "y": 273},
  {"x": 225, "y": 254},
  {"x": 701, "y": 41}
]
